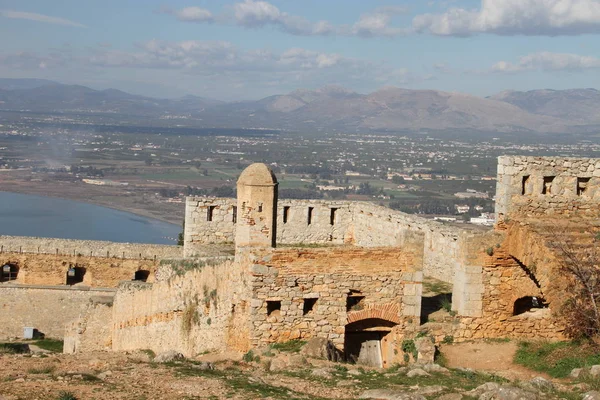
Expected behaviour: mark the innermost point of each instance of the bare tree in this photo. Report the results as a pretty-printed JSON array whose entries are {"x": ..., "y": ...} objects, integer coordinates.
[{"x": 579, "y": 263}]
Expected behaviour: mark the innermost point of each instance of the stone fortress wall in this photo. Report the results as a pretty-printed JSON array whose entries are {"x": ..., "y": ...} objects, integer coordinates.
[
  {"x": 39, "y": 293},
  {"x": 46, "y": 308},
  {"x": 335, "y": 222},
  {"x": 546, "y": 186}
]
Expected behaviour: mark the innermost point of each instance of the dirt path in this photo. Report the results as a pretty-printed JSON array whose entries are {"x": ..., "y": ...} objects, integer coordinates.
[{"x": 495, "y": 358}]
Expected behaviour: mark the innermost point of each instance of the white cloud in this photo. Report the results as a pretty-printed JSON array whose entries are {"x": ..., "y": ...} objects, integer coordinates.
[
  {"x": 547, "y": 61},
  {"x": 377, "y": 23},
  {"x": 192, "y": 14},
  {"x": 39, "y": 18},
  {"x": 253, "y": 14},
  {"x": 515, "y": 17}
]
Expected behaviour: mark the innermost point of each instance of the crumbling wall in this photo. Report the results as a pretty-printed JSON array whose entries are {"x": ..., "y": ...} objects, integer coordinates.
[
  {"x": 46, "y": 308},
  {"x": 203, "y": 309},
  {"x": 48, "y": 269},
  {"x": 92, "y": 330},
  {"x": 538, "y": 186},
  {"x": 385, "y": 278}
]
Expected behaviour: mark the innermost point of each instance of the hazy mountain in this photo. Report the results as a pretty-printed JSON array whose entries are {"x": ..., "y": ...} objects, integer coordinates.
[
  {"x": 13, "y": 84},
  {"x": 335, "y": 108},
  {"x": 580, "y": 106}
]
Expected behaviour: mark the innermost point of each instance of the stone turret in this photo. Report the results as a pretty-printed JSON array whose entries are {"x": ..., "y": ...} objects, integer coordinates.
[{"x": 257, "y": 207}]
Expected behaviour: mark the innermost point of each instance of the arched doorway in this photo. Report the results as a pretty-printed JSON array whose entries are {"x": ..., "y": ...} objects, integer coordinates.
[{"x": 367, "y": 342}]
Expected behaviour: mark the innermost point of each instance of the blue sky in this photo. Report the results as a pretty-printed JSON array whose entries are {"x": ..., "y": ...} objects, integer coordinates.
[{"x": 248, "y": 49}]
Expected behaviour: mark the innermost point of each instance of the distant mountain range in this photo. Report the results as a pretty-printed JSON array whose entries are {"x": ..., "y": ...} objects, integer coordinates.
[{"x": 330, "y": 108}]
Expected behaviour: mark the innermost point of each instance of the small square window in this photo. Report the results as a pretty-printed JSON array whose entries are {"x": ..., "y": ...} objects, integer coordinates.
[
  {"x": 547, "y": 188},
  {"x": 273, "y": 307},
  {"x": 309, "y": 305},
  {"x": 582, "y": 185}
]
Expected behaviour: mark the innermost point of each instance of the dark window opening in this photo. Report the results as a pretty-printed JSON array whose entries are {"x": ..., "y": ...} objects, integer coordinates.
[
  {"x": 210, "y": 213},
  {"x": 234, "y": 218},
  {"x": 259, "y": 207},
  {"x": 527, "y": 303},
  {"x": 141, "y": 275},
  {"x": 332, "y": 213},
  {"x": 75, "y": 275},
  {"x": 582, "y": 185},
  {"x": 286, "y": 213},
  {"x": 524, "y": 185},
  {"x": 355, "y": 301},
  {"x": 310, "y": 215},
  {"x": 273, "y": 307},
  {"x": 309, "y": 305},
  {"x": 547, "y": 188},
  {"x": 9, "y": 272}
]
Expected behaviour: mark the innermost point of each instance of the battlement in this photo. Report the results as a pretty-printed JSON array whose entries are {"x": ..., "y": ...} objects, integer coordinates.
[{"x": 542, "y": 186}]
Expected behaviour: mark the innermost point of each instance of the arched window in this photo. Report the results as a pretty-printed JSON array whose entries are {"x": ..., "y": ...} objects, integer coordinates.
[
  {"x": 75, "y": 275},
  {"x": 9, "y": 272},
  {"x": 527, "y": 303},
  {"x": 141, "y": 275}
]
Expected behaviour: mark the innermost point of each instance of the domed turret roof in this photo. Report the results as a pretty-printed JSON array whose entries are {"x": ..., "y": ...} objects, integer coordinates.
[{"x": 257, "y": 174}]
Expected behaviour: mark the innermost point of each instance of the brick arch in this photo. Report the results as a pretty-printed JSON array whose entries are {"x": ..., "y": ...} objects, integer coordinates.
[{"x": 388, "y": 312}]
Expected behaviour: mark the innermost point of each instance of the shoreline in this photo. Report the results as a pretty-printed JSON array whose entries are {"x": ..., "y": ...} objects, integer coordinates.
[{"x": 135, "y": 211}]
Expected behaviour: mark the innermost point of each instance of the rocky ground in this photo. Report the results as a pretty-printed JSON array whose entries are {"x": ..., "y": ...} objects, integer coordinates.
[{"x": 276, "y": 374}]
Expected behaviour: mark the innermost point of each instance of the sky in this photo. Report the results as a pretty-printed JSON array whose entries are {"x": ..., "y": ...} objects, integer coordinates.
[{"x": 250, "y": 49}]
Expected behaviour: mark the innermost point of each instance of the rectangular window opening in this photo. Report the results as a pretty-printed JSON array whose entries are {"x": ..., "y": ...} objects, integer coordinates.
[
  {"x": 309, "y": 305},
  {"x": 259, "y": 207},
  {"x": 286, "y": 214},
  {"x": 332, "y": 213},
  {"x": 234, "y": 218},
  {"x": 273, "y": 307},
  {"x": 354, "y": 301},
  {"x": 524, "y": 185},
  {"x": 582, "y": 185},
  {"x": 210, "y": 213},
  {"x": 547, "y": 188},
  {"x": 310, "y": 215}
]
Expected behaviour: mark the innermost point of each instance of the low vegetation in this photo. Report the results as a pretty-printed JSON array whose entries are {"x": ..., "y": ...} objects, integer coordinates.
[
  {"x": 557, "y": 359},
  {"x": 50, "y": 345},
  {"x": 291, "y": 346}
]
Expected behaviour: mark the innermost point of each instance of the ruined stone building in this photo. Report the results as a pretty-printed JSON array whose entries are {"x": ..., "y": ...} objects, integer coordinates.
[{"x": 257, "y": 270}]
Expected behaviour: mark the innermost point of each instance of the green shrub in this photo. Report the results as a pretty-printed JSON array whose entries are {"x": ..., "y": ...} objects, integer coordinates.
[
  {"x": 448, "y": 339},
  {"x": 291, "y": 346}
]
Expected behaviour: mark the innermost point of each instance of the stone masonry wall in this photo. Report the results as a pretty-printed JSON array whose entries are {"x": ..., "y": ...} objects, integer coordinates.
[
  {"x": 91, "y": 331},
  {"x": 358, "y": 223},
  {"x": 48, "y": 269},
  {"x": 46, "y": 308},
  {"x": 94, "y": 248},
  {"x": 538, "y": 186},
  {"x": 201, "y": 310},
  {"x": 386, "y": 277}
]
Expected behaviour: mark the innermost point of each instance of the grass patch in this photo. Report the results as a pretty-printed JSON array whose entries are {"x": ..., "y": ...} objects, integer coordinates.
[
  {"x": 436, "y": 286},
  {"x": 14, "y": 348},
  {"x": 42, "y": 370},
  {"x": 50, "y": 345},
  {"x": 66, "y": 396},
  {"x": 291, "y": 346},
  {"x": 557, "y": 359}
]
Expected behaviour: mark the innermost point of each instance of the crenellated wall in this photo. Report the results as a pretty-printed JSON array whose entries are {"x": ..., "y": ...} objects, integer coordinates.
[
  {"x": 542, "y": 186},
  {"x": 334, "y": 222},
  {"x": 91, "y": 248}
]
